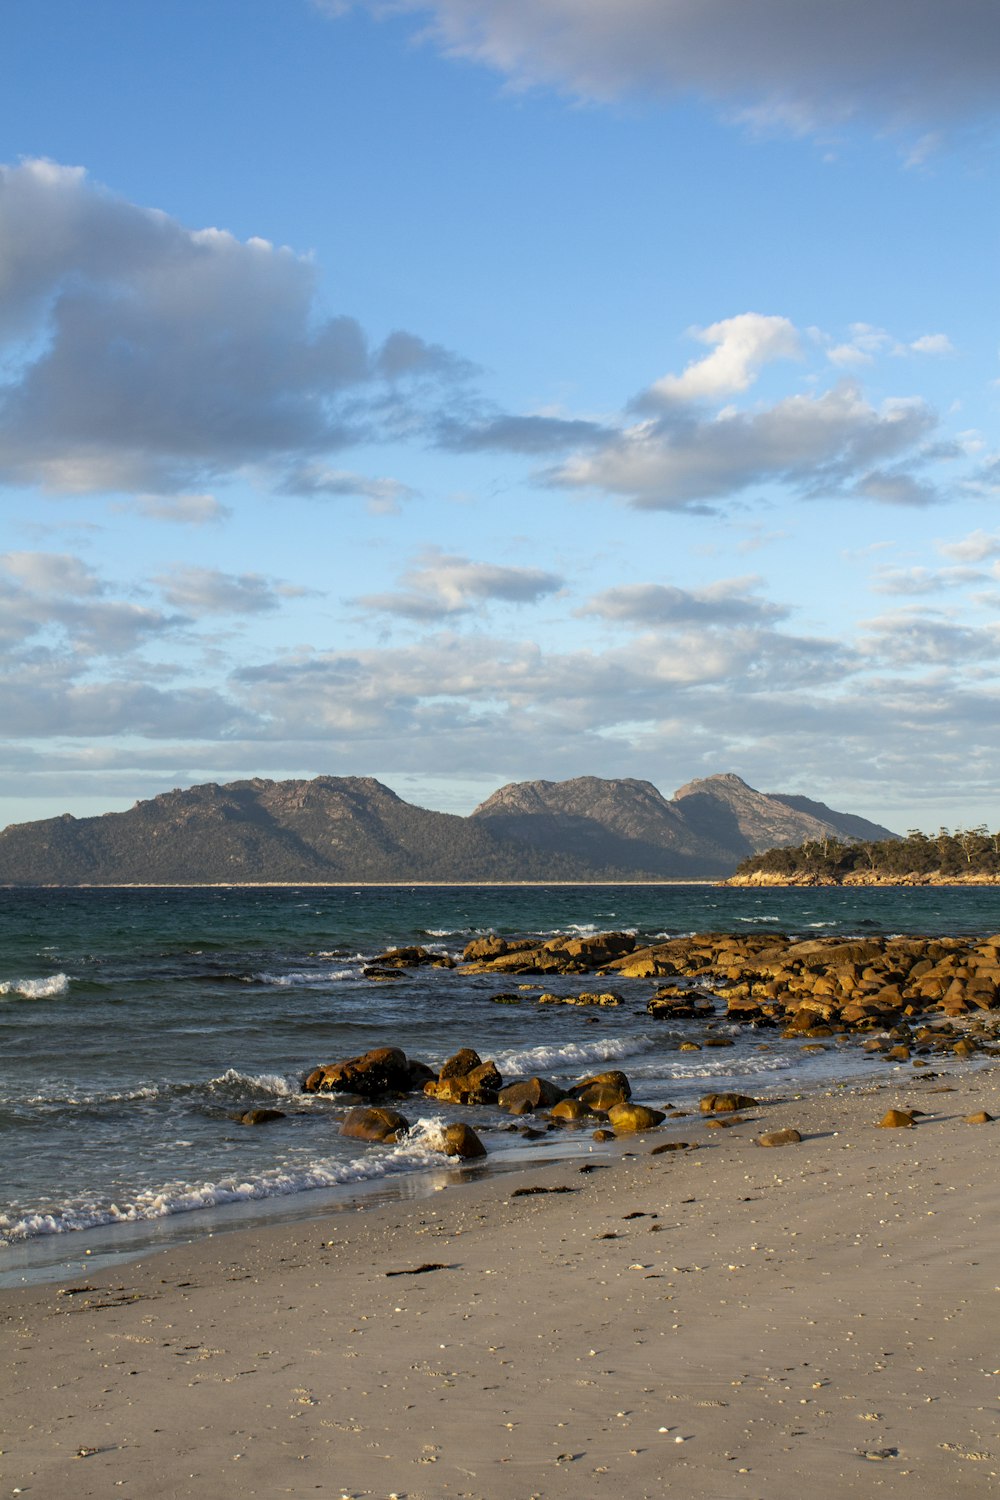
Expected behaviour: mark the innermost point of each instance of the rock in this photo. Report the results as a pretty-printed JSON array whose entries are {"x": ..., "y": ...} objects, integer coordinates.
[
  {"x": 528, "y": 1094},
  {"x": 480, "y": 1085},
  {"x": 570, "y": 1110},
  {"x": 604, "y": 1135},
  {"x": 671, "y": 1146},
  {"x": 979, "y": 1118},
  {"x": 461, "y": 1140},
  {"x": 412, "y": 958},
  {"x": 460, "y": 1065},
  {"x": 897, "y": 1119},
  {"x": 506, "y": 998},
  {"x": 384, "y": 1070},
  {"x": 719, "y": 1104},
  {"x": 630, "y": 1118},
  {"x": 613, "y": 1078},
  {"x": 602, "y": 1096},
  {"x": 259, "y": 1116},
  {"x": 788, "y": 1137},
  {"x": 374, "y": 1123}
]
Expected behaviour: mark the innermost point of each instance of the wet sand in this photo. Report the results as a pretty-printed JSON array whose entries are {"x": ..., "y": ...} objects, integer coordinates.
[{"x": 724, "y": 1321}]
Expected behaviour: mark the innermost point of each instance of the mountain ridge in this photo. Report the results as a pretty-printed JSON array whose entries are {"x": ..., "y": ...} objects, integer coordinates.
[{"x": 346, "y": 829}]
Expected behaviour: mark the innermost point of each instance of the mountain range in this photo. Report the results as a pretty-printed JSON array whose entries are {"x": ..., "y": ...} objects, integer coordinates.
[{"x": 352, "y": 829}]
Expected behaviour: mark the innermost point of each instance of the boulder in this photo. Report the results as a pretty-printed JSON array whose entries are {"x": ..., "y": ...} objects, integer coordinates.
[
  {"x": 384, "y": 1070},
  {"x": 569, "y": 1111},
  {"x": 528, "y": 1094},
  {"x": 462, "y": 1141},
  {"x": 720, "y": 1104},
  {"x": 788, "y": 1137},
  {"x": 374, "y": 1123},
  {"x": 460, "y": 1064},
  {"x": 612, "y": 1079},
  {"x": 602, "y": 1096},
  {"x": 413, "y": 958},
  {"x": 259, "y": 1116},
  {"x": 629, "y": 1119}
]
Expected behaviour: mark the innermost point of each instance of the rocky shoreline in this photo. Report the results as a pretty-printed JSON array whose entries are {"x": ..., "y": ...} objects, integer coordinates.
[
  {"x": 907, "y": 999},
  {"x": 765, "y": 878}
]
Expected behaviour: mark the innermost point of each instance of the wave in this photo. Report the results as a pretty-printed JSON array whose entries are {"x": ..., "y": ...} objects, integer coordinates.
[
  {"x": 304, "y": 977},
  {"x": 36, "y": 989},
  {"x": 230, "y": 1087},
  {"x": 572, "y": 1055},
  {"x": 422, "y": 1148}
]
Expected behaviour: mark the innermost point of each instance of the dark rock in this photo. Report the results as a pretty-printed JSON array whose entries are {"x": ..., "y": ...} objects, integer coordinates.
[
  {"x": 374, "y": 1123},
  {"x": 260, "y": 1116},
  {"x": 384, "y": 1070},
  {"x": 462, "y": 1141},
  {"x": 719, "y": 1104},
  {"x": 529, "y": 1093}
]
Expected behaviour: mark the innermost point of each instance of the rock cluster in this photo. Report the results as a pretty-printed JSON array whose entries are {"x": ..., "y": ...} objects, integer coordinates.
[
  {"x": 466, "y": 1079},
  {"x": 557, "y": 955}
]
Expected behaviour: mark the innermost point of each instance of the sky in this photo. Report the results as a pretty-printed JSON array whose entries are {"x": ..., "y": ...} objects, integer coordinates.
[{"x": 468, "y": 391}]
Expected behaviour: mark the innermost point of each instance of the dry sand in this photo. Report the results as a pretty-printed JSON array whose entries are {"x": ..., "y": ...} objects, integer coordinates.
[{"x": 722, "y": 1322}]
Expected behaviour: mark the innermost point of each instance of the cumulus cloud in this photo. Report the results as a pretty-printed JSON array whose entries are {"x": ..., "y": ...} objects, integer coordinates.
[
  {"x": 727, "y": 602},
  {"x": 913, "y": 63},
  {"x": 826, "y": 445},
  {"x": 144, "y": 356},
  {"x": 742, "y": 345},
  {"x": 443, "y": 584}
]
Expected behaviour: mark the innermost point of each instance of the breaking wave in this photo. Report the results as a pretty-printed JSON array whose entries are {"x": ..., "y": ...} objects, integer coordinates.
[
  {"x": 422, "y": 1148},
  {"x": 572, "y": 1055},
  {"x": 36, "y": 989}
]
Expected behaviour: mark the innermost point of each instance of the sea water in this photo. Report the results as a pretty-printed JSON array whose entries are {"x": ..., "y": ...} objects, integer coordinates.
[{"x": 135, "y": 1024}]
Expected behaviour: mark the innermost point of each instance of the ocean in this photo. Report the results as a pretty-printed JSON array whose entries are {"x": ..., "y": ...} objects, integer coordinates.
[{"x": 135, "y": 1023}]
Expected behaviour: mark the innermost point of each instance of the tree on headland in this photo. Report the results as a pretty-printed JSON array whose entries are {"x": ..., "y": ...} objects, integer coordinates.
[{"x": 965, "y": 852}]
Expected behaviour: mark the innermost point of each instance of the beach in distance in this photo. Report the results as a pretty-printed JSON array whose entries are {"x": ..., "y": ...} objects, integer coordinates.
[{"x": 189, "y": 1306}]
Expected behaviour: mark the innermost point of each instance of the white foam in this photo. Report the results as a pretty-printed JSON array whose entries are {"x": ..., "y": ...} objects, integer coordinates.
[
  {"x": 572, "y": 1055},
  {"x": 305, "y": 977},
  {"x": 421, "y": 1148},
  {"x": 36, "y": 989}
]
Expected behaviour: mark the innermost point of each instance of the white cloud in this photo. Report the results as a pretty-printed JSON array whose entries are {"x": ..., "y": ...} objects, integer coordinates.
[
  {"x": 742, "y": 345},
  {"x": 976, "y": 547},
  {"x": 729, "y": 601},
  {"x": 201, "y": 591},
  {"x": 792, "y": 64},
  {"x": 933, "y": 343},
  {"x": 442, "y": 584},
  {"x": 145, "y": 357},
  {"x": 52, "y": 607},
  {"x": 826, "y": 445}
]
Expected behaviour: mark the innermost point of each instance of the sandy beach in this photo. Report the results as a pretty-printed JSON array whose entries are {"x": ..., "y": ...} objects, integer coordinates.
[{"x": 722, "y": 1320}]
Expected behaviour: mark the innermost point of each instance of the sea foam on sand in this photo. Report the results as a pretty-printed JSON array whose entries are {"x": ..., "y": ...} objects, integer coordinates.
[{"x": 718, "y": 1321}]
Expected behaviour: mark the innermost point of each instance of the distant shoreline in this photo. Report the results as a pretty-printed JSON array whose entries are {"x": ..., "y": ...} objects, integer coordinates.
[{"x": 342, "y": 885}]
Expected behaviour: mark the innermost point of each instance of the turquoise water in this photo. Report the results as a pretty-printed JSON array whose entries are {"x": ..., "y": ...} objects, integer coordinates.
[{"x": 135, "y": 1023}]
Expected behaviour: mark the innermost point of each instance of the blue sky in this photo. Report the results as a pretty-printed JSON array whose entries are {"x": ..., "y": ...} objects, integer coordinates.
[{"x": 482, "y": 390}]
